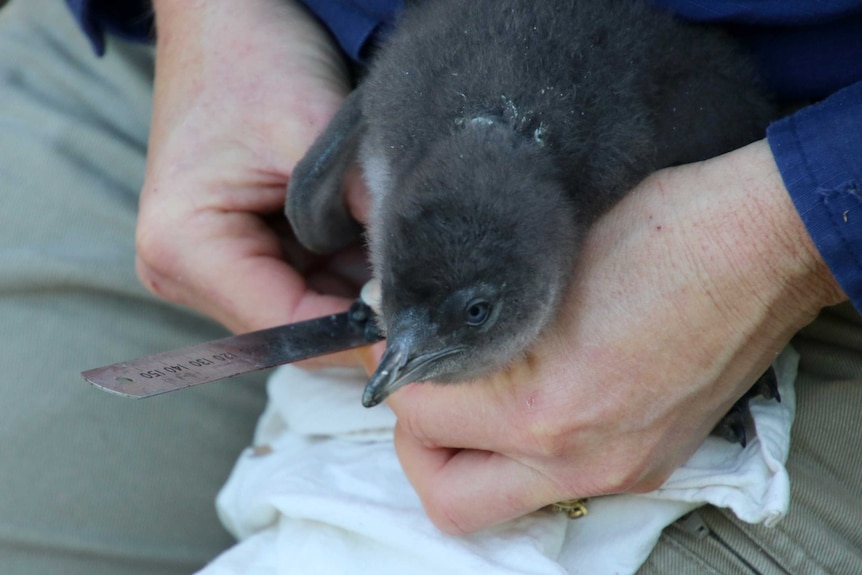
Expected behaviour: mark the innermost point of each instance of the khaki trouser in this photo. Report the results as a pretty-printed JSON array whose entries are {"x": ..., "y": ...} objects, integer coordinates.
[
  {"x": 822, "y": 532},
  {"x": 91, "y": 483}
]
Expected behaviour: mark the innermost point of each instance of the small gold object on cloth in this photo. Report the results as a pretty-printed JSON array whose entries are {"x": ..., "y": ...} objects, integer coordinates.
[{"x": 574, "y": 508}]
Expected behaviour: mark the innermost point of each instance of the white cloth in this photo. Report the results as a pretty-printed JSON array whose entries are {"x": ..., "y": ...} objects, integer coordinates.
[{"x": 323, "y": 493}]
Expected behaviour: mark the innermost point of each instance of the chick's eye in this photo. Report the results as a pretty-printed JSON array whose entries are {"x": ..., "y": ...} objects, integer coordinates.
[{"x": 477, "y": 312}]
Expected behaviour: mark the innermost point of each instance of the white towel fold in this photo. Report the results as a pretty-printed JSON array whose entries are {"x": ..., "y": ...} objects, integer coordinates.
[{"x": 322, "y": 492}]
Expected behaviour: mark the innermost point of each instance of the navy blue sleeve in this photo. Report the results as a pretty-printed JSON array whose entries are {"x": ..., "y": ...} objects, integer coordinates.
[
  {"x": 804, "y": 49},
  {"x": 819, "y": 153},
  {"x": 129, "y": 19},
  {"x": 356, "y": 25},
  {"x": 761, "y": 12}
]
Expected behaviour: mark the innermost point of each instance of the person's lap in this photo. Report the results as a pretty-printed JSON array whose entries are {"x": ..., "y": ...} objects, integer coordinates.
[
  {"x": 821, "y": 532},
  {"x": 90, "y": 482}
]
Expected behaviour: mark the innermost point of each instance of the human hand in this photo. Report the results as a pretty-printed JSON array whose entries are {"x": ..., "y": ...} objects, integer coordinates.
[
  {"x": 683, "y": 295},
  {"x": 241, "y": 92}
]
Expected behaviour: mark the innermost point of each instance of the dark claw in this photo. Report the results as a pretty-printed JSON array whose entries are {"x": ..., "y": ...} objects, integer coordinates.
[
  {"x": 364, "y": 318},
  {"x": 373, "y": 331},
  {"x": 736, "y": 425},
  {"x": 767, "y": 385},
  {"x": 739, "y": 431},
  {"x": 359, "y": 312}
]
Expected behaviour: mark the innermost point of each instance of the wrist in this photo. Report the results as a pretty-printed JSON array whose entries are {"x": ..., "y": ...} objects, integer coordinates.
[
  {"x": 265, "y": 66},
  {"x": 779, "y": 240},
  {"x": 761, "y": 241},
  {"x": 720, "y": 248}
]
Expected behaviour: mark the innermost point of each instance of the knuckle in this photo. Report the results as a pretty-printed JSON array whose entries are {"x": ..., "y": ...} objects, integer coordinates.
[
  {"x": 649, "y": 484},
  {"x": 150, "y": 247},
  {"x": 622, "y": 479},
  {"x": 626, "y": 474},
  {"x": 157, "y": 246},
  {"x": 650, "y": 480},
  {"x": 150, "y": 279},
  {"x": 412, "y": 425},
  {"x": 160, "y": 223},
  {"x": 551, "y": 439},
  {"x": 445, "y": 514},
  {"x": 416, "y": 421},
  {"x": 157, "y": 263}
]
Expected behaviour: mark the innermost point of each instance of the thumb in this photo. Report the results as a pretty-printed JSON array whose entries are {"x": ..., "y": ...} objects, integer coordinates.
[{"x": 465, "y": 490}]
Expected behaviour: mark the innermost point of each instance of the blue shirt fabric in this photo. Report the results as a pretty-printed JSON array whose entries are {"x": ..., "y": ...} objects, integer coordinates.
[
  {"x": 129, "y": 19},
  {"x": 806, "y": 51},
  {"x": 818, "y": 153},
  {"x": 356, "y": 24}
]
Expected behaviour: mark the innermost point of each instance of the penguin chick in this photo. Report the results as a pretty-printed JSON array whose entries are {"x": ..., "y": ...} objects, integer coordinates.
[{"x": 492, "y": 134}]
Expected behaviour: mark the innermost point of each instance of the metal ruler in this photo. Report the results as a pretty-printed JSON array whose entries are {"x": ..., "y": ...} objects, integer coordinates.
[{"x": 239, "y": 354}]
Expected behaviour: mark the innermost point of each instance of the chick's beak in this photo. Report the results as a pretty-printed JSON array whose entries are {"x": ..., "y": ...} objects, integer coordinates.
[
  {"x": 389, "y": 374},
  {"x": 399, "y": 366}
]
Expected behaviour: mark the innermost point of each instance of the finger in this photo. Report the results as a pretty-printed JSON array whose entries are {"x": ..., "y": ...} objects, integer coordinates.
[
  {"x": 508, "y": 411},
  {"x": 356, "y": 195},
  {"x": 244, "y": 283},
  {"x": 247, "y": 295},
  {"x": 351, "y": 266},
  {"x": 241, "y": 319},
  {"x": 464, "y": 491},
  {"x": 462, "y": 415}
]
